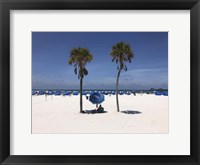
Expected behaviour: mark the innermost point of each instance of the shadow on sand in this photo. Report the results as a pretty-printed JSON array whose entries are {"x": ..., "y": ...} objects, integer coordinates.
[
  {"x": 132, "y": 112},
  {"x": 93, "y": 111}
]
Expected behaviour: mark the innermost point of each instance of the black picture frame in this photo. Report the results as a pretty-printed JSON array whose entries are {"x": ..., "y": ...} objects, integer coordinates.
[{"x": 7, "y": 5}]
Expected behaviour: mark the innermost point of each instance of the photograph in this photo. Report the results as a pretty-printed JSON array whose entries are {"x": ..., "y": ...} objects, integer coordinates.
[{"x": 99, "y": 82}]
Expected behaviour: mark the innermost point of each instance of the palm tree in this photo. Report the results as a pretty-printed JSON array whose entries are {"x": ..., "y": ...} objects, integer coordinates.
[
  {"x": 80, "y": 57},
  {"x": 121, "y": 53}
]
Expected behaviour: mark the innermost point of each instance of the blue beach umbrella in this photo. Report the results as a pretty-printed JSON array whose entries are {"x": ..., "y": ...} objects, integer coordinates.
[
  {"x": 91, "y": 92},
  {"x": 53, "y": 92},
  {"x": 57, "y": 93},
  {"x": 75, "y": 93},
  {"x": 106, "y": 93},
  {"x": 128, "y": 93},
  {"x": 84, "y": 93},
  {"x": 66, "y": 93},
  {"x": 41, "y": 93},
  {"x": 158, "y": 93},
  {"x": 96, "y": 98},
  {"x": 49, "y": 93},
  {"x": 165, "y": 93},
  {"x": 121, "y": 92}
]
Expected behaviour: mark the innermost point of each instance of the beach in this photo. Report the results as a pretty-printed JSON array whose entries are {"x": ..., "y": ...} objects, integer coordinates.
[{"x": 138, "y": 114}]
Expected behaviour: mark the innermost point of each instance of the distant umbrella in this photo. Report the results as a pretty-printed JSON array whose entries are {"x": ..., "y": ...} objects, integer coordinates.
[
  {"x": 75, "y": 93},
  {"x": 106, "y": 93},
  {"x": 66, "y": 93},
  {"x": 128, "y": 93},
  {"x": 121, "y": 92},
  {"x": 158, "y": 93},
  {"x": 41, "y": 93},
  {"x": 34, "y": 92},
  {"x": 50, "y": 93},
  {"x": 90, "y": 92},
  {"x": 96, "y": 98},
  {"x": 84, "y": 93},
  {"x": 57, "y": 93},
  {"x": 165, "y": 93}
]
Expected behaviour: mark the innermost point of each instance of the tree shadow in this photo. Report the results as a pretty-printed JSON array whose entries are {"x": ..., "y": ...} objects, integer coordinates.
[
  {"x": 131, "y": 112},
  {"x": 93, "y": 111}
]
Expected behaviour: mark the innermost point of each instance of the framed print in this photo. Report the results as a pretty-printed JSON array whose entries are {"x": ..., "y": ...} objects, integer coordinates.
[{"x": 99, "y": 82}]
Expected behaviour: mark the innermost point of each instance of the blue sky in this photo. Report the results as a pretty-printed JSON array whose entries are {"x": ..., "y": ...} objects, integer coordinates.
[{"x": 51, "y": 50}]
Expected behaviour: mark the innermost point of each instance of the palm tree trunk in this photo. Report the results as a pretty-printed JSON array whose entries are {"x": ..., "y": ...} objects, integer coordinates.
[
  {"x": 117, "y": 100},
  {"x": 81, "y": 100}
]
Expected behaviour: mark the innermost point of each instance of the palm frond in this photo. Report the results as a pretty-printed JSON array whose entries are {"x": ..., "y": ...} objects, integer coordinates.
[
  {"x": 121, "y": 52},
  {"x": 80, "y": 57},
  {"x": 125, "y": 68},
  {"x": 75, "y": 70},
  {"x": 85, "y": 72}
]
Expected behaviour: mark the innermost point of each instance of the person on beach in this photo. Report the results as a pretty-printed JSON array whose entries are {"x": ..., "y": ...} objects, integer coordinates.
[
  {"x": 100, "y": 109},
  {"x": 87, "y": 96},
  {"x": 46, "y": 96}
]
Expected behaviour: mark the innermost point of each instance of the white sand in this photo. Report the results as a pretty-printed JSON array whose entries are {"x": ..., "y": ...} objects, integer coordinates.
[{"x": 61, "y": 115}]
